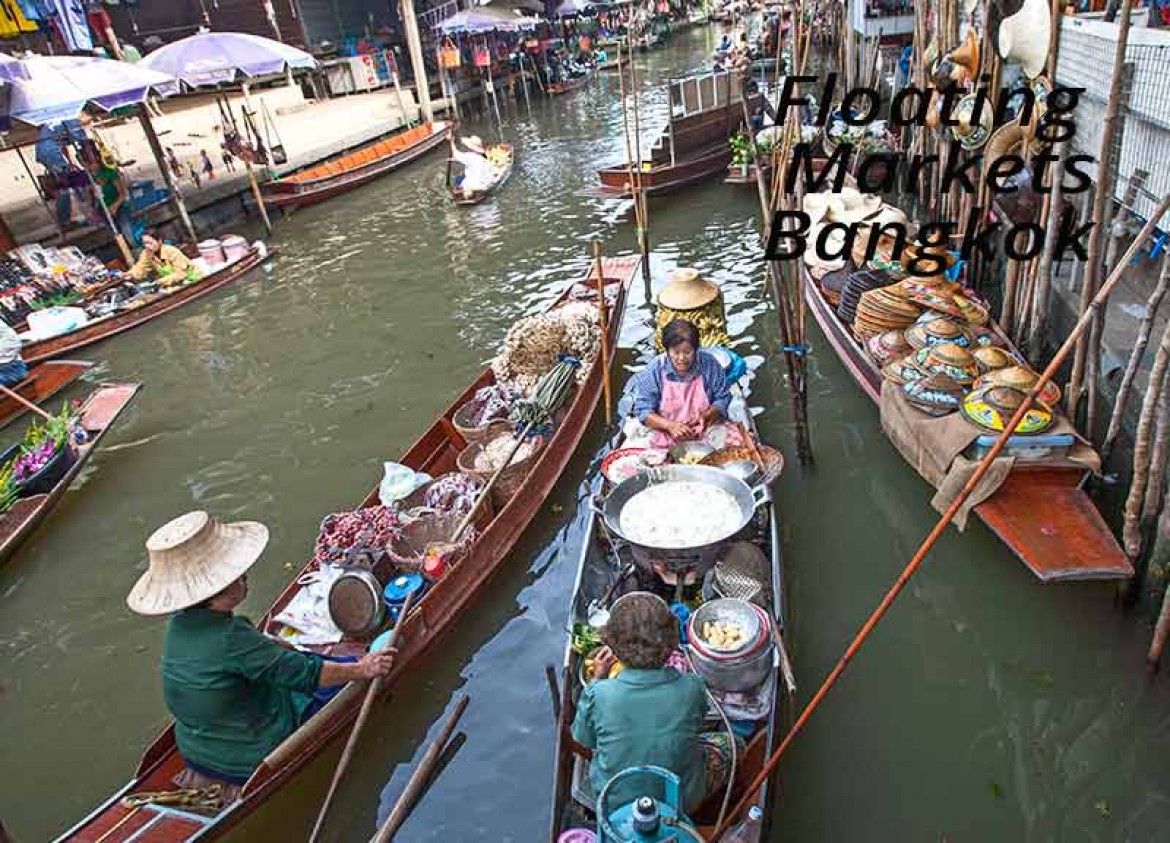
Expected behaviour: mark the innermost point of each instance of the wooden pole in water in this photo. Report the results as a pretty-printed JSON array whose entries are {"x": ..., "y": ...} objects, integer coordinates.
[
  {"x": 420, "y": 777},
  {"x": 603, "y": 326},
  {"x": 359, "y": 724},
  {"x": 639, "y": 194},
  {"x": 936, "y": 533},
  {"x": 260, "y": 206},
  {"x": 1102, "y": 197},
  {"x": 1044, "y": 271},
  {"x": 168, "y": 177},
  {"x": 630, "y": 164}
]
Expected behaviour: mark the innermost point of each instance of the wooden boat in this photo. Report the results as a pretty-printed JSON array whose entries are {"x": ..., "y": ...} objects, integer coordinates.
[
  {"x": 1041, "y": 512},
  {"x": 746, "y": 173},
  {"x": 603, "y": 559},
  {"x": 353, "y": 169},
  {"x": 705, "y": 111},
  {"x": 573, "y": 83},
  {"x": 44, "y": 380},
  {"x": 434, "y": 452},
  {"x": 98, "y": 412},
  {"x": 615, "y": 64},
  {"x": 149, "y": 308},
  {"x": 502, "y": 176}
]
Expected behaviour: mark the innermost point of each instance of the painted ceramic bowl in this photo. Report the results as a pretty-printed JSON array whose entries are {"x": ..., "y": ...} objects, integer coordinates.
[
  {"x": 992, "y": 408},
  {"x": 936, "y": 332},
  {"x": 935, "y": 395},
  {"x": 948, "y": 359},
  {"x": 886, "y": 347},
  {"x": 993, "y": 357},
  {"x": 1021, "y": 378},
  {"x": 903, "y": 371}
]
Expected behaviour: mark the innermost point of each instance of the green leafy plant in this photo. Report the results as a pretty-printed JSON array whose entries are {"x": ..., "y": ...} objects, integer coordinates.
[
  {"x": 55, "y": 430},
  {"x": 741, "y": 149},
  {"x": 59, "y": 300}
]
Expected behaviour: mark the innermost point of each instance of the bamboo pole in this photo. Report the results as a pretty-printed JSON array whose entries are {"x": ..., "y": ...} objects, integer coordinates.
[
  {"x": 1044, "y": 271},
  {"x": 603, "y": 326},
  {"x": 1161, "y": 635},
  {"x": 255, "y": 185},
  {"x": 1102, "y": 198},
  {"x": 168, "y": 177},
  {"x": 936, "y": 533},
  {"x": 1007, "y": 313},
  {"x": 630, "y": 166},
  {"x": 359, "y": 724},
  {"x": 1135, "y": 359},
  {"x": 1131, "y": 530},
  {"x": 1159, "y": 457}
]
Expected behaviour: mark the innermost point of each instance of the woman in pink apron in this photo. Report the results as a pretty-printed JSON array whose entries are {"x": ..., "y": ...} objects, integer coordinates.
[{"x": 683, "y": 394}]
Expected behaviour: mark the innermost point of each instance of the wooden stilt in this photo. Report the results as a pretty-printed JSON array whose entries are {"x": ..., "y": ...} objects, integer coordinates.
[{"x": 169, "y": 179}]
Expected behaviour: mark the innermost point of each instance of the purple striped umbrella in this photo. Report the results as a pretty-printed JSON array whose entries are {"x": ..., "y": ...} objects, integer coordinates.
[{"x": 210, "y": 58}]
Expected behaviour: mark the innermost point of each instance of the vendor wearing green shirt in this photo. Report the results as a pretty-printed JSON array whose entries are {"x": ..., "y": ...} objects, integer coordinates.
[
  {"x": 648, "y": 714},
  {"x": 235, "y": 694},
  {"x": 115, "y": 197}
]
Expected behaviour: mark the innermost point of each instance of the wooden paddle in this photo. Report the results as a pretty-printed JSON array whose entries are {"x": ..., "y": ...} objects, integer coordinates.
[
  {"x": 483, "y": 495},
  {"x": 359, "y": 724},
  {"x": 603, "y": 326},
  {"x": 28, "y": 405},
  {"x": 750, "y": 441},
  {"x": 419, "y": 778}
]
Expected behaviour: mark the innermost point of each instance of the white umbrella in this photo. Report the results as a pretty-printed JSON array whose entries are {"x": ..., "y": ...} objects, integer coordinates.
[{"x": 211, "y": 58}]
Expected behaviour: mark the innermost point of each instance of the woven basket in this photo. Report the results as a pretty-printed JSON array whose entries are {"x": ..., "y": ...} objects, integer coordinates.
[
  {"x": 512, "y": 477},
  {"x": 408, "y": 551},
  {"x": 461, "y": 420}
]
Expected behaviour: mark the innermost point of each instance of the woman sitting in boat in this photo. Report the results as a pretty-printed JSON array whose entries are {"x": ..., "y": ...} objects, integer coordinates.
[
  {"x": 648, "y": 713},
  {"x": 234, "y": 693},
  {"x": 477, "y": 172},
  {"x": 683, "y": 392},
  {"x": 167, "y": 264}
]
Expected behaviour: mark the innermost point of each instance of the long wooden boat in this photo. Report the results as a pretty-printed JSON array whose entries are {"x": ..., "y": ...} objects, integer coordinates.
[
  {"x": 353, "y": 169},
  {"x": 98, "y": 413},
  {"x": 150, "y": 308},
  {"x": 706, "y": 110},
  {"x": 44, "y": 380},
  {"x": 573, "y": 83},
  {"x": 434, "y": 452},
  {"x": 603, "y": 558},
  {"x": 615, "y": 64},
  {"x": 1041, "y": 511},
  {"x": 461, "y": 198}
]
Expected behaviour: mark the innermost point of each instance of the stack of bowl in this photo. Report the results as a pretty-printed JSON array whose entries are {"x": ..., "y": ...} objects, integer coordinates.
[{"x": 739, "y": 668}]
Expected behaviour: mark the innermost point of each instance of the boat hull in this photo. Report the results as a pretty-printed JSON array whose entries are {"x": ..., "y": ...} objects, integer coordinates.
[
  {"x": 102, "y": 329},
  {"x": 568, "y": 86},
  {"x": 615, "y": 181},
  {"x": 297, "y": 194},
  {"x": 98, "y": 413},
  {"x": 435, "y": 452},
  {"x": 1041, "y": 512}
]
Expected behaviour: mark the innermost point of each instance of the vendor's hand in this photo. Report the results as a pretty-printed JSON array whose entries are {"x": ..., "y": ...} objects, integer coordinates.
[
  {"x": 678, "y": 430},
  {"x": 603, "y": 662},
  {"x": 374, "y": 665},
  {"x": 697, "y": 425}
]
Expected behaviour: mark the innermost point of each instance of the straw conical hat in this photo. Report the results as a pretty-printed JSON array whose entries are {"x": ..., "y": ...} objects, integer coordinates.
[
  {"x": 192, "y": 558},
  {"x": 474, "y": 143},
  {"x": 687, "y": 290},
  {"x": 1024, "y": 36}
]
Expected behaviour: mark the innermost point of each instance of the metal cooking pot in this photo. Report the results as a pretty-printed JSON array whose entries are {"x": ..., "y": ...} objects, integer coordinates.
[
  {"x": 747, "y": 498},
  {"x": 355, "y": 603}
]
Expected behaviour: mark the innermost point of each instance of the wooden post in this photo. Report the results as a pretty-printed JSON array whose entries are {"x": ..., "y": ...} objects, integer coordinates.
[
  {"x": 168, "y": 177},
  {"x": 1131, "y": 530},
  {"x": 640, "y": 195},
  {"x": 260, "y": 206},
  {"x": 1102, "y": 197},
  {"x": 1044, "y": 271},
  {"x": 414, "y": 44},
  {"x": 603, "y": 326}
]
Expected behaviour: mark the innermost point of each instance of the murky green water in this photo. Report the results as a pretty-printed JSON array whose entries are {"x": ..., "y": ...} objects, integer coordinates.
[{"x": 986, "y": 707}]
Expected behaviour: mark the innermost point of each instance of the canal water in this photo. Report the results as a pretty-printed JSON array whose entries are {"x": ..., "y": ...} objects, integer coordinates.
[{"x": 986, "y": 706}]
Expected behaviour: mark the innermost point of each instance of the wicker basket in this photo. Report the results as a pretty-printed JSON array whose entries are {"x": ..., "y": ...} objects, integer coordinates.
[
  {"x": 512, "y": 477},
  {"x": 408, "y": 550},
  {"x": 461, "y": 420}
]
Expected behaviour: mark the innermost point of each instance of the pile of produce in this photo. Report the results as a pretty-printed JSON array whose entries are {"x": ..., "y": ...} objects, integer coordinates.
[
  {"x": 724, "y": 635},
  {"x": 347, "y": 532},
  {"x": 452, "y": 493},
  {"x": 495, "y": 452},
  {"x": 535, "y": 344},
  {"x": 494, "y": 402}
]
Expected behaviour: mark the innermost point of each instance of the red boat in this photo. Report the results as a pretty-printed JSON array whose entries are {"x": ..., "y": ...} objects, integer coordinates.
[
  {"x": 573, "y": 83},
  {"x": 353, "y": 169},
  {"x": 1040, "y": 511},
  {"x": 97, "y": 414},
  {"x": 44, "y": 380},
  {"x": 705, "y": 111},
  {"x": 438, "y": 611},
  {"x": 144, "y": 309}
]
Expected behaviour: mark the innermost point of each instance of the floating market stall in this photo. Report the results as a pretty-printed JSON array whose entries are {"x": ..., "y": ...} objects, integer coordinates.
[
  {"x": 433, "y": 533},
  {"x": 947, "y": 379}
]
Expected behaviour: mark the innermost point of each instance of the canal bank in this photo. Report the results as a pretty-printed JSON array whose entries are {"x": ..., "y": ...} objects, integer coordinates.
[{"x": 987, "y": 706}]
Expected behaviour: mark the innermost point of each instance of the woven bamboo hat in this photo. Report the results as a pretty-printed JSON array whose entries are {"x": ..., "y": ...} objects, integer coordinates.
[
  {"x": 687, "y": 290},
  {"x": 1023, "y": 37},
  {"x": 474, "y": 143},
  {"x": 192, "y": 558}
]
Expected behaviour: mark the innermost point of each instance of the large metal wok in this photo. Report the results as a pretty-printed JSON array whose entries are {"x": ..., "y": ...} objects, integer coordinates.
[{"x": 700, "y": 558}]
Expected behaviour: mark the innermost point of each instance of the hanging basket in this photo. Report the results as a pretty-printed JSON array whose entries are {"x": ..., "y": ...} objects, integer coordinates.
[{"x": 482, "y": 58}]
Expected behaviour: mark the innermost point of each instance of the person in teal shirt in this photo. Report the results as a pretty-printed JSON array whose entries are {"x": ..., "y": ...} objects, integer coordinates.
[
  {"x": 235, "y": 694},
  {"x": 648, "y": 714}
]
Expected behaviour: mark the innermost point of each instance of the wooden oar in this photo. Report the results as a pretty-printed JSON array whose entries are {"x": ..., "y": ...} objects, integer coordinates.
[
  {"x": 28, "y": 405},
  {"x": 419, "y": 778},
  {"x": 359, "y": 724},
  {"x": 603, "y": 325}
]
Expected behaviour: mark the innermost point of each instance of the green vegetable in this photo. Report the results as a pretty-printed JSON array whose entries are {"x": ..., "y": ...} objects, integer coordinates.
[{"x": 585, "y": 639}]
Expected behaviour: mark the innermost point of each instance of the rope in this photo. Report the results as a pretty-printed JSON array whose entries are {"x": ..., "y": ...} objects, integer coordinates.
[{"x": 208, "y": 798}]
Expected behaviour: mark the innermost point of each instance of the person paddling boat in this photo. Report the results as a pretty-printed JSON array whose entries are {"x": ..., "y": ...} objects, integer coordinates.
[
  {"x": 477, "y": 171},
  {"x": 235, "y": 694}
]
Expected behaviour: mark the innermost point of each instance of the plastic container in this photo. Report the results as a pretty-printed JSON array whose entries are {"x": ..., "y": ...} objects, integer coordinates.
[
  {"x": 1025, "y": 448},
  {"x": 398, "y": 588},
  {"x": 212, "y": 252},
  {"x": 577, "y": 835},
  {"x": 749, "y": 830},
  {"x": 235, "y": 248}
]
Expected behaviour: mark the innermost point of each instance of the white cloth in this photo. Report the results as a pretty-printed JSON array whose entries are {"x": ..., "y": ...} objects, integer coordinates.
[
  {"x": 477, "y": 172},
  {"x": 9, "y": 344}
]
